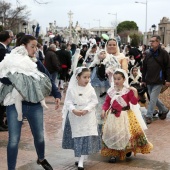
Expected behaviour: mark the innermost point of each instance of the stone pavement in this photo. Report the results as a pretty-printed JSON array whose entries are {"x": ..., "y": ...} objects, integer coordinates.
[{"x": 158, "y": 134}]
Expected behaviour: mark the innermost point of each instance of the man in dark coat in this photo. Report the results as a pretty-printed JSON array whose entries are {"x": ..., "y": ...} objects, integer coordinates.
[
  {"x": 51, "y": 62},
  {"x": 5, "y": 39},
  {"x": 155, "y": 73}
]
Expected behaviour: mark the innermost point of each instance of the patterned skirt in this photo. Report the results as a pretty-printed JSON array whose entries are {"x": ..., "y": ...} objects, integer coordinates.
[
  {"x": 138, "y": 142},
  {"x": 81, "y": 145}
]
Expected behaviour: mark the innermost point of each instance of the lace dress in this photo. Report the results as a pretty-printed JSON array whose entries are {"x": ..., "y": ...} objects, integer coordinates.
[{"x": 123, "y": 131}]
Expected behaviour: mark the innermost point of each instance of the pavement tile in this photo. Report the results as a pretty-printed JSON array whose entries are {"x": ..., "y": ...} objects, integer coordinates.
[{"x": 158, "y": 134}]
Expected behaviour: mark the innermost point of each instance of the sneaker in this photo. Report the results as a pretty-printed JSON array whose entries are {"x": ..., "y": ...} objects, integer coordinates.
[
  {"x": 45, "y": 164},
  {"x": 148, "y": 120},
  {"x": 163, "y": 115}
]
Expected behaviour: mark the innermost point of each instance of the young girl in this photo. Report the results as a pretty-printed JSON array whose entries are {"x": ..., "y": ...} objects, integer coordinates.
[
  {"x": 123, "y": 128},
  {"x": 99, "y": 81},
  {"x": 135, "y": 80},
  {"x": 90, "y": 55},
  {"x": 99, "y": 77},
  {"x": 80, "y": 124}
]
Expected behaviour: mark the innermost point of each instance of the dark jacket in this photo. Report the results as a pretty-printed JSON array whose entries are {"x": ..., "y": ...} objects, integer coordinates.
[
  {"x": 3, "y": 52},
  {"x": 51, "y": 63},
  {"x": 64, "y": 58},
  {"x": 152, "y": 72},
  {"x": 44, "y": 48}
]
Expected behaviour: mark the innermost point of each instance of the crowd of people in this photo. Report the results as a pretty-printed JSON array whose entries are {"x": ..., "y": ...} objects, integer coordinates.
[{"x": 111, "y": 95}]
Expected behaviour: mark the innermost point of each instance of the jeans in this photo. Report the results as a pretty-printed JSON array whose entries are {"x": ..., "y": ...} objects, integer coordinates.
[
  {"x": 54, "y": 76},
  {"x": 154, "y": 91},
  {"x": 34, "y": 115}
]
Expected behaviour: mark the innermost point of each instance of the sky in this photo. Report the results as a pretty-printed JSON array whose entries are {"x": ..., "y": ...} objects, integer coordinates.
[{"x": 86, "y": 12}]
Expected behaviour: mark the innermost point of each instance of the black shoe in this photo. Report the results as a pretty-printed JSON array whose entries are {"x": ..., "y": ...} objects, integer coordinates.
[
  {"x": 103, "y": 94},
  {"x": 80, "y": 168},
  {"x": 148, "y": 120},
  {"x": 128, "y": 154},
  {"x": 45, "y": 164},
  {"x": 112, "y": 159},
  {"x": 163, "y": 115},
  {"x": 3, "y": 128},
  {"x": 76, "y": 163}
]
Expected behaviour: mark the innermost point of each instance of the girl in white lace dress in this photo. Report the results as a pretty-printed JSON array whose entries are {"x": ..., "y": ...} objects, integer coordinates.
[{"x": 79, "y": 117}]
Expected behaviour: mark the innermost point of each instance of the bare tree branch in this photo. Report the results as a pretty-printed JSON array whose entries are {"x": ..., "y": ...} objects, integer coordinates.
[
  {"x": 37, "y": 1},
  {"x": 41, "y": 2}
]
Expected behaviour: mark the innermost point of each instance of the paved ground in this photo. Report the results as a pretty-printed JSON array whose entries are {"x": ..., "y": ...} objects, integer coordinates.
[{"x": 158, "y": 133}]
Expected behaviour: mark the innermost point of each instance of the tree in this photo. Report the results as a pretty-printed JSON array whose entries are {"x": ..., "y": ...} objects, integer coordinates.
[
  {"x": 126, "y": 26},
  {"x": 37, "y": 1},
  {"x": 135, "y": 39},
  {"x": 10, "y": 17}
]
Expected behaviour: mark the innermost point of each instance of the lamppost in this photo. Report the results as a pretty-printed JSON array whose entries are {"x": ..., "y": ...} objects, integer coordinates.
[
  {"x": 99, "y": 24},
  {"x": 145, "y": 3},
  {"x": 154, "y": 28},
  {"x": 116, "y": 22},
  {"x": 25, "y": 26},
  {"x": 70, "y": 14}
]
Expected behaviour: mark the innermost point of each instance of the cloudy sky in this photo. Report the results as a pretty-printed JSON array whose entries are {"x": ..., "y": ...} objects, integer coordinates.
[{"x": 87, "y": 11}]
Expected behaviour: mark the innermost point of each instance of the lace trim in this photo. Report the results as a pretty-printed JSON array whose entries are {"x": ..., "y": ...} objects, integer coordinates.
[
  {"x": 114, "y": 96},
  {"x": 112, "y": 92}
]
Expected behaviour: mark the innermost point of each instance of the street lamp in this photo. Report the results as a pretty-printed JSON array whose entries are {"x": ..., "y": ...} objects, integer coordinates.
[
  {"x": 116, "y": 22},
  {"x": 99, "y": 24},
  {"x": 154, "y": 28},
  {"x": 145, "y": 3}
]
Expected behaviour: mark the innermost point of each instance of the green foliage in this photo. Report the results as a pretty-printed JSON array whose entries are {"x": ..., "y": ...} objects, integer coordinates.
[
  {"x": 135, "y": 39},
  {"x": 126, "y": 26},
  {"x": 40, "y": 40}
]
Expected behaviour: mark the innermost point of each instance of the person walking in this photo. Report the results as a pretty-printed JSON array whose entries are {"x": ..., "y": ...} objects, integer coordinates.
[
  {"x": 5, "y": 39},
  {"x": 155, "y": 73},
  {"x": 32, "y": 111},
  {"x": 123, "y": 129},
  {"x": 79, "y": 117},
  {"x": 51, "y": 62}
]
